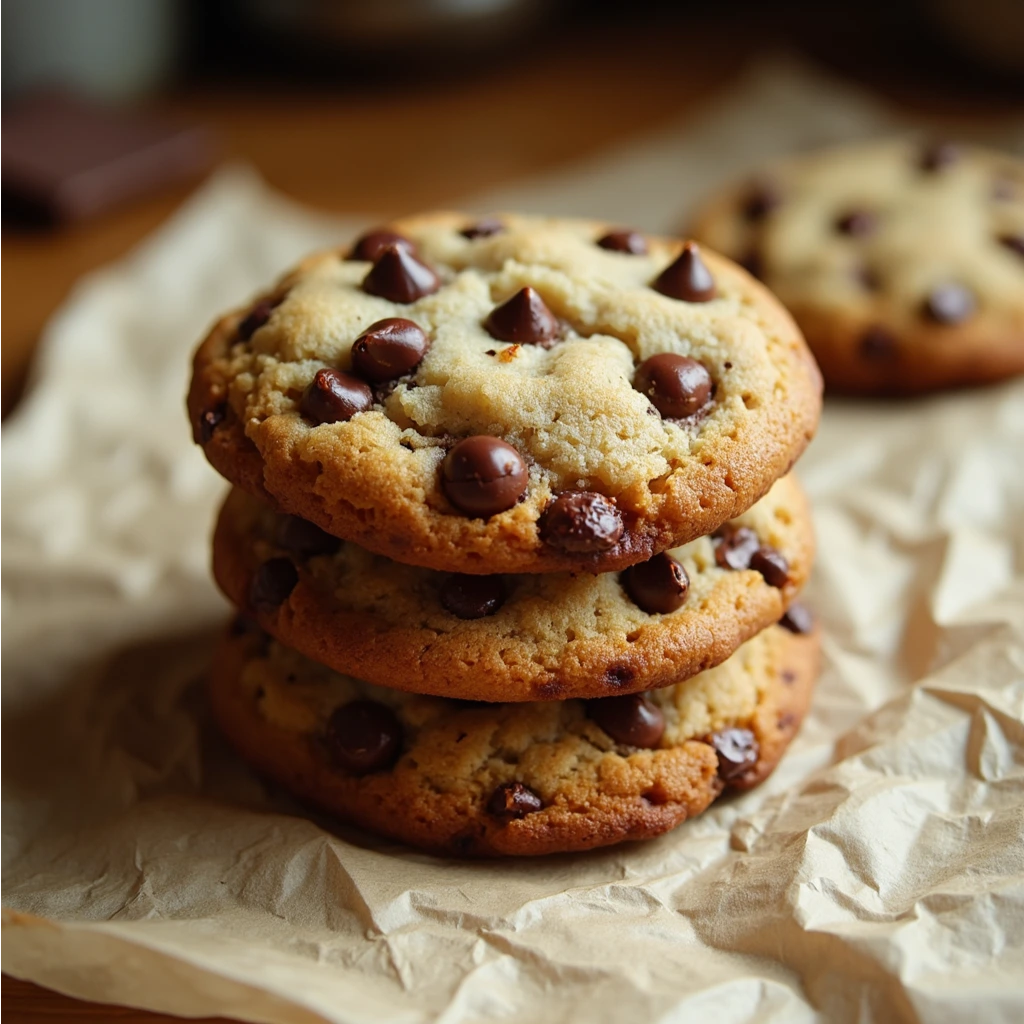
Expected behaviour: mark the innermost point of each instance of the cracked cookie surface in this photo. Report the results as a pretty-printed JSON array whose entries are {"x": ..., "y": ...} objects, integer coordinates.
[
  {"x": 512, "y": 779},
  {"x": 537, "y": 336},
  {"x": 516, "y": 637}
]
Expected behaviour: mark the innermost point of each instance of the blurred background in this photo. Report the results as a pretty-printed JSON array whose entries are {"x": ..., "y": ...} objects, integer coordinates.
[{"x": 115, "y": 109}]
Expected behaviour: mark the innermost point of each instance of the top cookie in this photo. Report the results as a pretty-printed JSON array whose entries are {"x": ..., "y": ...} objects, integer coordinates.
[
  {"x": 903, "y": 263},
  {"x": 522, "y": 395}
]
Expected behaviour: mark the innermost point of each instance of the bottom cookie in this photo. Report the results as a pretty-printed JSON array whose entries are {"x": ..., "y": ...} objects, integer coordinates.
[{"x": 468, "y": 778}]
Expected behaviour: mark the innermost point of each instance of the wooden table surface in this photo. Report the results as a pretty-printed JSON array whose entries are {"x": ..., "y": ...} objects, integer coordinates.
[{"x": 574, "y": 91}]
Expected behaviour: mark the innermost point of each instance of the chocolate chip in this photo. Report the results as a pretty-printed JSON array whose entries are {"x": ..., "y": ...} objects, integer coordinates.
[
  {"x": 737, "y": 751},
  {"x": 618, "y": 675},
  {"x": 677, "y": 386},
  {"x": 760, "y": 200},
  {"x": 868, "y": 277},
  {"x": 631, "y": 242},
  {"x": 753, "y": 263},
  {"x": 333, "y": 397},
  {"x": 370, "y": 247},
  {"x": 398, "y": 276},
  {"x": 688, "y": 278},
  {"x": 271, "y": 584},
  {"x": 483, "y": 476},
  {"x": 735, "y": 546},
  {"x": 304, "y": 538},
  {"x": 388, "y": 349},
  {"x": 857, "y": 223},
  {"x": 514, "y": 800},
  {"x": 364, "y": 736},
  {"x": 1015, "y": 243},
  {"x": 256, "y": 318},
  {"x": 524, "y": 319},
  {"x": 938, "y": 155},
  {"x": 472, "y": 597},
  {"x": 633, "y": 720},
  {"x": 581, "y": 522},
  {"x": 657, "y": 586},
  {"x": 210, "y": 421},
  {"x": 949, "y": 304},
  {"x": 878, "y": 345},
  {"x": 483, "y": 228},
  {"x": 788, "y": 676},
  {"x": 798, "y": 619},
  {"x": 771, "y": 564}
]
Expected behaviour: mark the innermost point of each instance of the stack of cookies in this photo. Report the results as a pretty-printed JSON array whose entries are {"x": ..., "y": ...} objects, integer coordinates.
[{"x": 513, "y": 538}]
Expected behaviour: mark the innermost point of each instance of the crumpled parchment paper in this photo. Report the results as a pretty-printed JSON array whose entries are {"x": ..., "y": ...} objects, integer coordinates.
[{"x": 877, "y": 876}]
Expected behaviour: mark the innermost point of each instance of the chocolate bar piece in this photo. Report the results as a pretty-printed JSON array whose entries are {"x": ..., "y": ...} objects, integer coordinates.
[{"x": 65, "y": 158}]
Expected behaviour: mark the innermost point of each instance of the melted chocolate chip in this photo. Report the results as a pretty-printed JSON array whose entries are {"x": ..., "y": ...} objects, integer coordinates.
[
  {"x": 388, "y": 349},
  {"x": 271, "y": 584},
  {"x": 333, "y": 397},
  {"x": 483, "y": 476},
  {"x": 798, "y": 619},
  {"x": 760, "y": 200},
  {"x": 938, "y": 155},
  {"x": 370, "y": 247},
  {"x": 210, "y": 421},
  {"x": 631, "y": 242},
  {"x": 256, "y": 318},
  {"x": 581, "y": 522},
  {"x": 399, "y": 277},
  {"x": 364, "y": 736},
  {"x": 632, "y": 720},
  {"x": 472, "y": 597},
  {"x": 1015, "y": 243},
  {"x": 878, "y": 345},
  {"x": 514, "y": 800},
  {"x": 304, "y": 538},
  {"x": 857, "y": 223},
  {"x": 483, "y": 228},
  {"x": 688, "y": 278},
  {"x": 771, "y": 564},
  {"x": 949, "y": 304},
  {"x": 737, "y": 751},
  {"x": 524, "y": 319},
  {"x": 677, "y": 386},
  {"x": 735, "y": 546},
  {"x": 657, "y": 586}
]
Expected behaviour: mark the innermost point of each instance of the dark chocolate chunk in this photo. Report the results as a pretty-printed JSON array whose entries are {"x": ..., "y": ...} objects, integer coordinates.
[
  {"x": 631, "y": 242},
  {"x": 798, "y": 619},
  {"x": 210, "y": 421},
  {"x": 371, "y": 246},
  {"x": 857, "y": 223},
  {"x": 483, "y": 476},
  {"x": 677, "y": 386},
  {"x": 333, "y": 397},
  {"x": 949, "y": 304},
  {"x": 398, "y": 276},
  {"x": 472, "y": 597},
  {"x": 771, "y": 564},
  {"x": 633, "y": 720},
  {"x": 524, "y": 319},
  {"x": 304, "y": 538},
  {"x": 581, "y": 522},
  {"x": 271, "y": 584},
  {"x": 483, "y": 228},
  {"x": 657, "y": 586},
  {"x": 388, "y": 349},
  {"x": 256, "y": 318},
  {"x": 737, "y": 751},
  {"x": 878, "y": 345},
  {"x": 688, "y": 278},
  {"x": 514, "y": 800},
  {"x": 735, "y": 546},
  {"x": 938, "y": 155},
  {"x": 760, "y": 200},
  {"x": 1015, "y": 243},
  {"x": 364, "y": 736}
]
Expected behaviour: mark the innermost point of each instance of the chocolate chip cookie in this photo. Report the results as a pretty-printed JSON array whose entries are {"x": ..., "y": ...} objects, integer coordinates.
[
  {"x": 902, "y": 262},
  {"x": 490, "y": 779},
  {"x": 515, "y": 637},
  {"x": 508, "y": 395}
]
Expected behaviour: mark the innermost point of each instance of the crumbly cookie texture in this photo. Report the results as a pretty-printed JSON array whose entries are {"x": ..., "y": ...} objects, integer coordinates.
[
  {"x": 518, "y": 637},
  {"x": 537, "y": 335},
  {"x": 518, "y": 779},
  {"x": 902, "y": 262}
]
